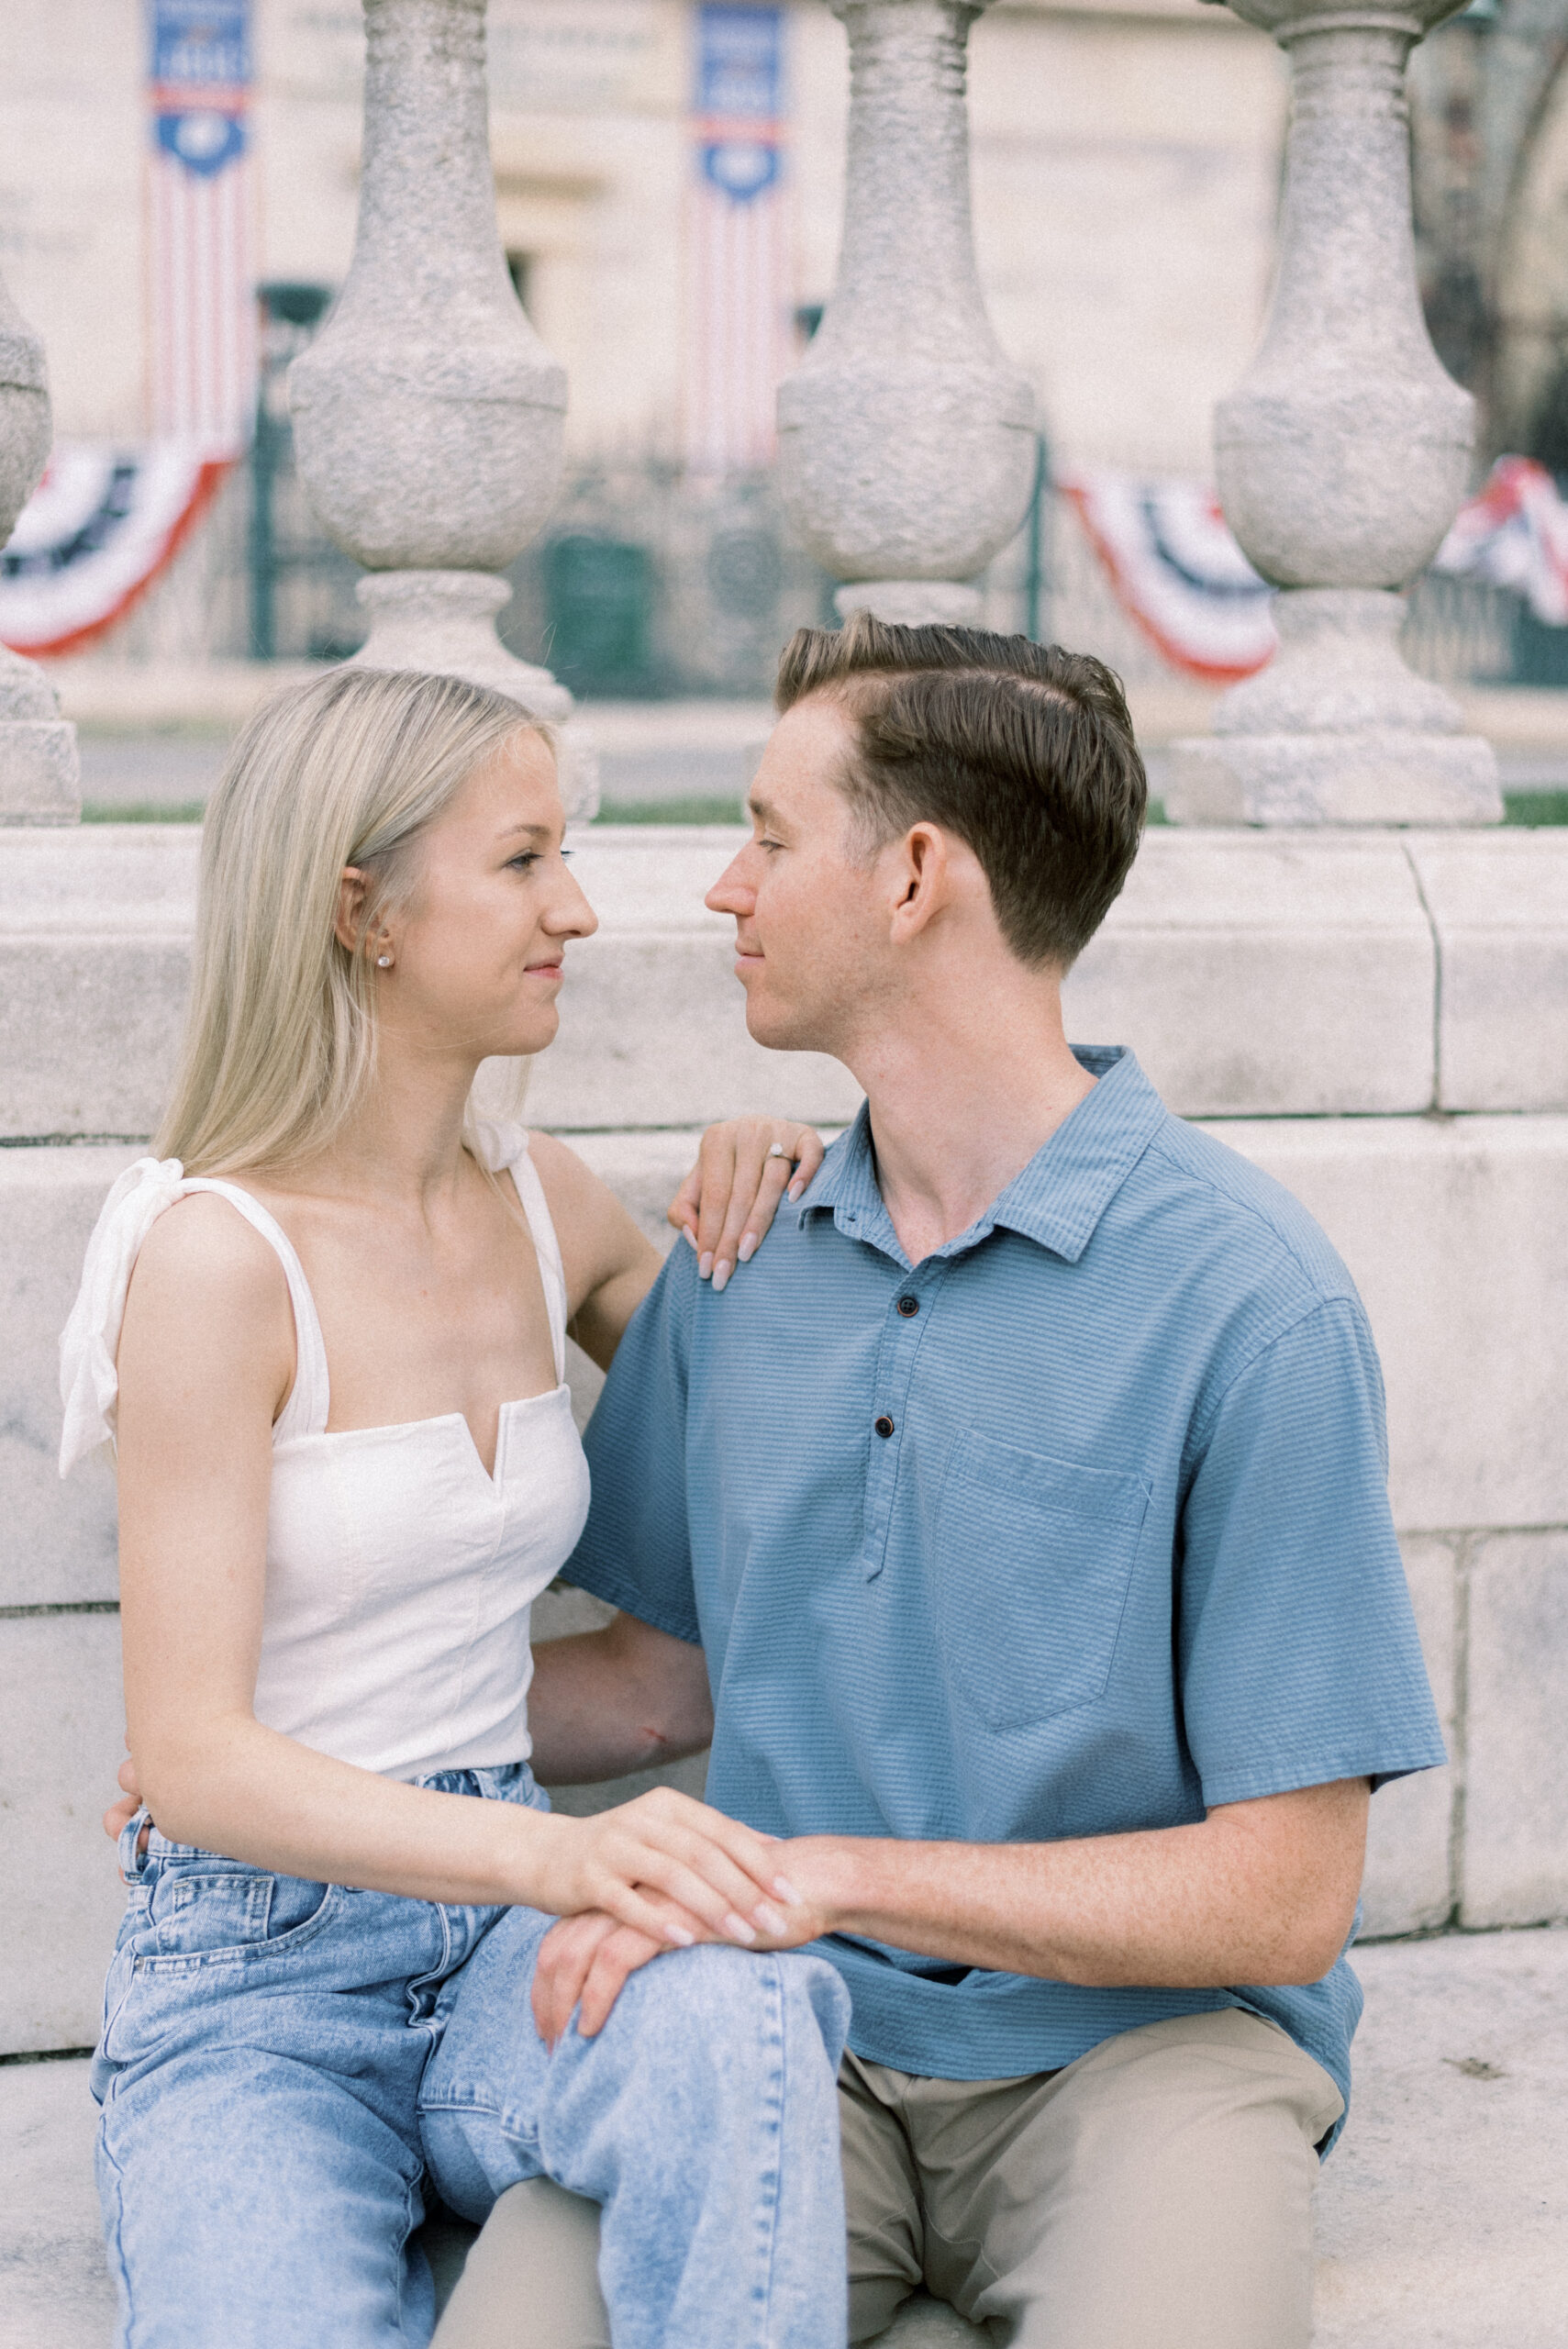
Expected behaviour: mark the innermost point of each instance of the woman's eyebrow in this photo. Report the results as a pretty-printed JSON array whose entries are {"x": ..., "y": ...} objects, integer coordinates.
[{"x": 537, "y": 831}]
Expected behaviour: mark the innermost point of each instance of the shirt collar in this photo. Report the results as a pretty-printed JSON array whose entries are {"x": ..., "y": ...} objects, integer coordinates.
[{"x": 1057, "y": 1199}]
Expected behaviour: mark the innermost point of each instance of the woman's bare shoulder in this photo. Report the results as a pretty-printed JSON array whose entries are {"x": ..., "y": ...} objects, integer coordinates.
[
  {"x": 567, "y": 1178},
  {"x": 201, "y": 1251},
  {"x": 597, "y": 1236}
]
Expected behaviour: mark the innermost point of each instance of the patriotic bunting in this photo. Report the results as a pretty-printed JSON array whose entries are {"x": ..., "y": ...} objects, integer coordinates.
[
  {"x": 94, "y": 536},
  {"x": 1515, "y": 534},
  {"x": 1178, "y": 572}
]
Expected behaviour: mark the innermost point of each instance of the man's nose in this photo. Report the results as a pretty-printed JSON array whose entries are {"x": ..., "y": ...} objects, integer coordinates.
[{"x": 732, "y": 893}]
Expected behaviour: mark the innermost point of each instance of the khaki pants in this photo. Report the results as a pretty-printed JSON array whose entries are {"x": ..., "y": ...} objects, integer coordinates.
[{"x": 1157, "y": 2194}]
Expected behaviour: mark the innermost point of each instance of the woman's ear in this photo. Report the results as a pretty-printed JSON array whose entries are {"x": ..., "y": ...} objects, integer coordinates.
[{"x": 349, "y": 926}]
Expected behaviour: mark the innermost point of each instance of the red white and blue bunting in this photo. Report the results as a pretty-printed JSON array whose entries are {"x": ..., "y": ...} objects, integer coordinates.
[
  {"x": 1178, "y": 572},
  {"x": 100, "y": 527},
  {"x": 1515, "y": 534}
]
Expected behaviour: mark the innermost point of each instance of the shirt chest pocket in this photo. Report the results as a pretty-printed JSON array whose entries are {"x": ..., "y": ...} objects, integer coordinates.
[{"x": 1034, "y": 1561}]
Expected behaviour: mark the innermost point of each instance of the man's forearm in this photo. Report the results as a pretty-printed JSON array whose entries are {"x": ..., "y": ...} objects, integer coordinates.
[
  {"x": 1260, "y": 1892},
  {"x": 604, "y": 1703}
]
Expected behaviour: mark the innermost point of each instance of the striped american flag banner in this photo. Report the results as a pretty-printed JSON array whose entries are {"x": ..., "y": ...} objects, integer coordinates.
[
  {"x": 200, "y": 274},
  {"x": 739, "y": 264}
]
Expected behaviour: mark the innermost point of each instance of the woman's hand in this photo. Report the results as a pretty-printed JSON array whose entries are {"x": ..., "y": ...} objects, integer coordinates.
[
  {"x": 118, "y": 1815},
  {"x": 727, "y": 1204},
  {"x": 584, "y": 1962},
  {"x": 720, "y": 1880}
]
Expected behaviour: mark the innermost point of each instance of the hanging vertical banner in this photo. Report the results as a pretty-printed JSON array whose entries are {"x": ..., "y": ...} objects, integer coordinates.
[
  {"x": 738, "y": 306},
  {"x": 201, "y": 293}
]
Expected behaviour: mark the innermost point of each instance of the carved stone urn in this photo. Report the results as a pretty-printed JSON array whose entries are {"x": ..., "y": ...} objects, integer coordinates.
[
  {"x": 1341, "y": 459},
  {"x": 907, "y": 443}
]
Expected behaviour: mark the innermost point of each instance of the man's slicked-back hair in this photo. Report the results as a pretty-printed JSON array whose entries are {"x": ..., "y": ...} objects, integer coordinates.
[{"x": 1024, "y": 750}]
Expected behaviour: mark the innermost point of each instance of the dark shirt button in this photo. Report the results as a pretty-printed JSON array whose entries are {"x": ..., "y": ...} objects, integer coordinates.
[
  {"x": 908, "y": 1305},
  {"x": 884, "y": 1425}
]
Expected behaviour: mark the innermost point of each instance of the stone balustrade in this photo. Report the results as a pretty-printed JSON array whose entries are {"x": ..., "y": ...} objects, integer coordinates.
[
  {"x": 906, "y": 444},
  {"x": 39, "y": 774},
  {"x": 427, "y": 415},
  {"x": 1341, "y": 460}
]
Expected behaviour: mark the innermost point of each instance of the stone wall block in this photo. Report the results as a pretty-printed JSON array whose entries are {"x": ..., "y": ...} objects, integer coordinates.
[
  {"x": 1456, "y": 1234},
  {"x": 1408, "y": 1885},
  {"x": 1515, "y": 1864},
  {"x": 1318, "y": 949},
  {"x": 1498, "y": 902},
  {"x": 57, "y": 1541},
  {"x": 89, "y": 1028},
  {"x": 61, "y": 1741}
]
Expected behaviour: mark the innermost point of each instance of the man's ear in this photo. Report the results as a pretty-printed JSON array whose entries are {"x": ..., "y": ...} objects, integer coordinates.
[
  {"x": 347, "y": 927},
  {"x": 922, "y": 878}
]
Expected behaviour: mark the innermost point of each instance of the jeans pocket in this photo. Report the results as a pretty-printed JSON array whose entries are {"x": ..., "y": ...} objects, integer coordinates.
[
  {"x": 1034, "y": 1557},
  {"x": 203, "y": 1916}
]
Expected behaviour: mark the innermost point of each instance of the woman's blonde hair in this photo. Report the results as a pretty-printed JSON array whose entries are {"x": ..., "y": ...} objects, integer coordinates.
[{"x": 279, "y": 1036}]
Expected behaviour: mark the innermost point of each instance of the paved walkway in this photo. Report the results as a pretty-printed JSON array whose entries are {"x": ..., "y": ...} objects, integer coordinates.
[{"x": 1443, "y": 2217}]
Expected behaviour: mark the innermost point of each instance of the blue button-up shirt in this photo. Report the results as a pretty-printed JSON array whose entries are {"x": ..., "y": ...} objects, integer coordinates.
[{"x": 1077, "y": 1527}]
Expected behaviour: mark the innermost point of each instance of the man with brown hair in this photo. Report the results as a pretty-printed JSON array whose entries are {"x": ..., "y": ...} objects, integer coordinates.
[{"x": 1020, "y": 1530}]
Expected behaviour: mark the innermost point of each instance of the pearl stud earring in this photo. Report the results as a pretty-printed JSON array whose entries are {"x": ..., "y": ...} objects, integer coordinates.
[{"x": 384, "y": 962}]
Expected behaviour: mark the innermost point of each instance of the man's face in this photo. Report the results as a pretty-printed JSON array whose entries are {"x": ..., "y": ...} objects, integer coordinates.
[{"x": 806, "y": 900}]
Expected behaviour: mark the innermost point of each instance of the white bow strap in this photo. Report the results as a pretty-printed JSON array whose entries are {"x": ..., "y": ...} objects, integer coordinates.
[{"x": 89, "y": 1383}]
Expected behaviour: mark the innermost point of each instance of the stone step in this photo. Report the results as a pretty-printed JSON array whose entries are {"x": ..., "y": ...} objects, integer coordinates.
[{"x": 1441, "y": 2218}]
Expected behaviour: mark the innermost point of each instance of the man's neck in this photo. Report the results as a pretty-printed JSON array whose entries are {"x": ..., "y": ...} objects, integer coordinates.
[{"x": 960, "y": 1104}]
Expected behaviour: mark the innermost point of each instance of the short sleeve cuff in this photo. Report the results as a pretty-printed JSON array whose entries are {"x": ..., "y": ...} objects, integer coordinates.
[
  {"x": 1252, "y": 1781},
  {"x": 618, "y": 1590}
]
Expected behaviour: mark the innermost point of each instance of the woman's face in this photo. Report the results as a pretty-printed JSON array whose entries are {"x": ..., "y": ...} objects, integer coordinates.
[{"x": 476, "y": 950}]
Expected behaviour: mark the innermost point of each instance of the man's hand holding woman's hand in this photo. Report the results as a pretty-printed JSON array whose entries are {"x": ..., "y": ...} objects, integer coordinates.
[
  {"x": 586, "y": 1960},
  {"x": 665, "y": 1867}
]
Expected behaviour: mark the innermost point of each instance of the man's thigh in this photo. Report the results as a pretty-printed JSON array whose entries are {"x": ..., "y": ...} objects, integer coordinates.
[
  {"x": 1158, "y": 2190},
  {"x": 531, "y": 2278}
]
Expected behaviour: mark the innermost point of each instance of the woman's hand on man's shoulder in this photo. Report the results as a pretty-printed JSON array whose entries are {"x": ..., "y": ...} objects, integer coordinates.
[{"x": 745, "y": 1168}]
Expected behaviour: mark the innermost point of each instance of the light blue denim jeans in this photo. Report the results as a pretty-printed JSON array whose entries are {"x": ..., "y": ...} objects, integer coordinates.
[{"x": 285, "y": 2066}]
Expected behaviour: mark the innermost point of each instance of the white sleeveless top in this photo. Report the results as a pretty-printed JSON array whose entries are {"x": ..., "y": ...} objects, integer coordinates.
[{"x": 399, "y": 1576}]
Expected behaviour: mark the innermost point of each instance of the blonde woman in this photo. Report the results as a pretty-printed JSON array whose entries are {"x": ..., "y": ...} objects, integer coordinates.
[{"x": 324, "y": 1328}]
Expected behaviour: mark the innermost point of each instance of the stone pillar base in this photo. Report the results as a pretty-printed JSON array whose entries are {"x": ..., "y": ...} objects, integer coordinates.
[
  {"x": 912, "y": 603},
  {"x": 1366, "y": 776},
  {"x": 40, "y": 776},
  {"x": 444, "y": 621}
]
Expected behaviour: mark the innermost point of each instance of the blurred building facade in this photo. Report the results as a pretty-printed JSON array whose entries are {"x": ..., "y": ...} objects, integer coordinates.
[
  {"x": 1126, "y": 171},
  {"x": 1127, "y": 158}
]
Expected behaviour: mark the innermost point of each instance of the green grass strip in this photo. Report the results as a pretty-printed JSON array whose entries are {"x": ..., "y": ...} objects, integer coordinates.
[
  {"x": 142, "y": 811},
  {"x": 1532, "y": 807},
  {"x": 671, "y": 811},
  {"x": 1535, "y": 807}
]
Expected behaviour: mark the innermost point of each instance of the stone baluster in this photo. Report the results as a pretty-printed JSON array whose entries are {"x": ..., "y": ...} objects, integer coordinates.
[
  {"x": 907, "y": 446},
  {"x": 429, "y": 415},
  {"x": 39, "y": 775},
  {"x": 1341, "y": 459}
]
